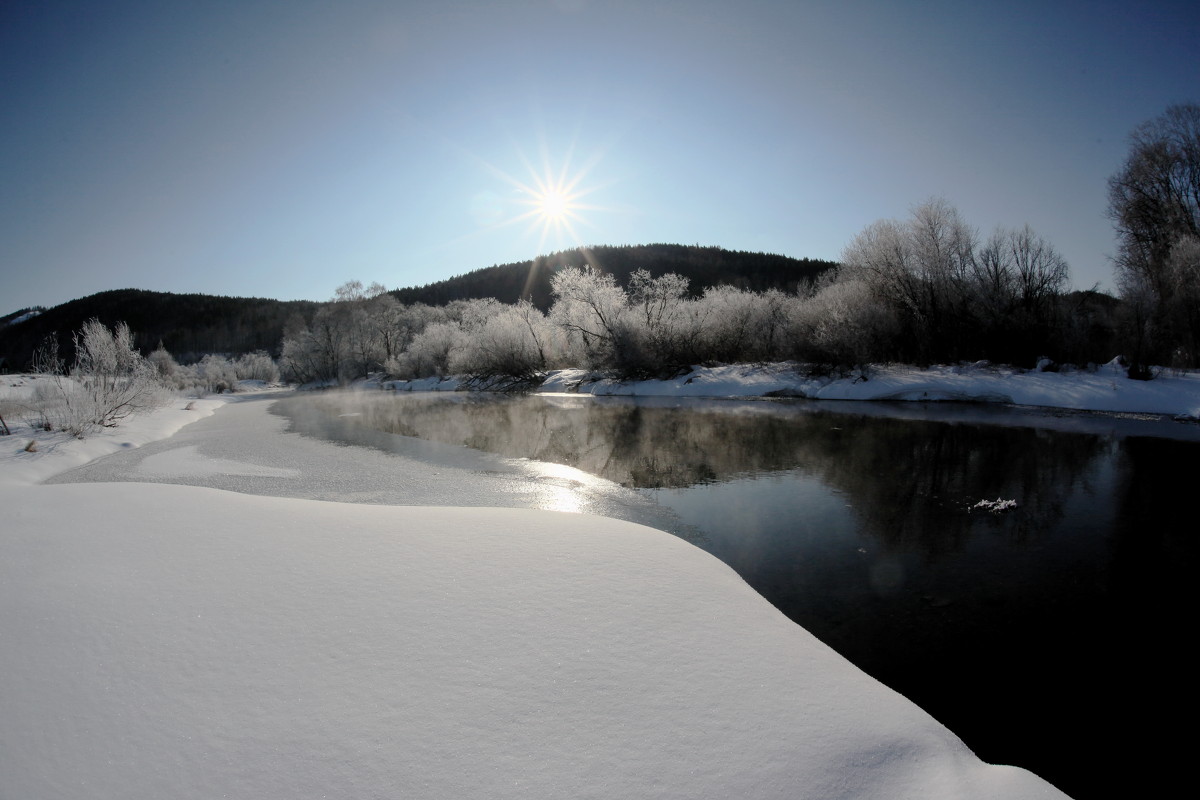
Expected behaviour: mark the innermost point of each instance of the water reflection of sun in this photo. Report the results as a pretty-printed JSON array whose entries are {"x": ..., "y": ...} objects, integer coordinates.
[{"x": 563, "y": 488}]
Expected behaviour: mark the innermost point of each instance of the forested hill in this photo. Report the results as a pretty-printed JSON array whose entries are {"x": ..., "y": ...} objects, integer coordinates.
[
  {"x": 702, "y": 266},
  {"x": 188, "y": 325}
]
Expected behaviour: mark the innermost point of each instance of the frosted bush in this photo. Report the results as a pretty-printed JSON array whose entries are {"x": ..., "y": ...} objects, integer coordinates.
[
  {"x": 429, "y": 353},
  {"x": 109, "y": 381},
  {"x": 516, "y": 341},
  {"x": 216, "y": 374},
  {"x": 256, "y": 366},
  {"x": 843, "y": 325},
  {"x": 164, "y": 364}
]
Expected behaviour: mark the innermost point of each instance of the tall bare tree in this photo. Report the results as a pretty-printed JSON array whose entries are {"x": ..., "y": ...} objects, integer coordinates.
[{"x": 1154, "y": 203}]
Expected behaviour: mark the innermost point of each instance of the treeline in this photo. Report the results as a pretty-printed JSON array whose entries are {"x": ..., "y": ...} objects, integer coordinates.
[
  {"x": 925, "y": 290},
  {"x": 701, "y": 266},
  {"x": 193, "y": 325},
  {"x": 931, "y": 289},
  {"x": 188, "y": 325}
]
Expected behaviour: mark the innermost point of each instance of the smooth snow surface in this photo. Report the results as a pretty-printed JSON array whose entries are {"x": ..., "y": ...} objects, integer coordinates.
[{"x": 188, "y": 642}]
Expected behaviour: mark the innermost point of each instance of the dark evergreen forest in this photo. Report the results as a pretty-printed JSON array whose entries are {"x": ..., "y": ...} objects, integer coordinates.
[
  {"x": 187, "y": 325},
  {"x": 702, "y": 266}
]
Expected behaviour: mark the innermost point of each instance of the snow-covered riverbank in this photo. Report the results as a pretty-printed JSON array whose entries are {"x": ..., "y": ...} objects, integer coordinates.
[
  {"x": 180, "y": 641},
  {"x": 1105, "y": 389}
]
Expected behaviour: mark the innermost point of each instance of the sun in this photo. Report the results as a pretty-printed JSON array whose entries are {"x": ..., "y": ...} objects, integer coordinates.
[
  {"x": 553, "y": 203},
  {"x": 550, "y": 198},
  {"x": 554, "y": 206}
]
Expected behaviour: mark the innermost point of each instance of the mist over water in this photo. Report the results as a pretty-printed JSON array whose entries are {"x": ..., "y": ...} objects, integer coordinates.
[{"x": 862, "y": 523}]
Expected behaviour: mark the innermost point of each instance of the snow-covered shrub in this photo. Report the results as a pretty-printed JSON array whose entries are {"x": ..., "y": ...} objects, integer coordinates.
[
  {"x": 429, "y": 353},
  {"x": 109, "y": 381},
  {"x": 14, "y": 402},
  {"x": 164, "y": 364},
  {"x": 744, "y": 327},
  {"x": 256, "y": 366},
  {"x": 216, "y": 374},
  {"x": 46, "y": 410},
  {"x": 515, "y": 342},
  {"x": 843, "y": 325}
]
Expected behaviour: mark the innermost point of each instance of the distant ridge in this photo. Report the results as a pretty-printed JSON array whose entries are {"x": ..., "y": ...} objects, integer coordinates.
[
  {"x": 188, "y": 325},
  {"x": 20, "y": 315},
  {"x": 702, "y": 266}
]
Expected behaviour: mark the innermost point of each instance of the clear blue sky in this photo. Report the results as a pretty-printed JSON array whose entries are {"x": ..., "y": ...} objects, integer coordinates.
[{"x": 280, "y": 149}]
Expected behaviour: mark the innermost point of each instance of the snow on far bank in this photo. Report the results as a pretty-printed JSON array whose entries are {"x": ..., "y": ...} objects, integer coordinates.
[
  {"x": 447, "y": 384},
  {"x": 1106, "y": 389},
  {"x": 176, "y": 641}
]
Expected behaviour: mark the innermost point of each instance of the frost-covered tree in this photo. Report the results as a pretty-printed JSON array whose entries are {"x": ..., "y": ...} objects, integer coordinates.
[
  {"x": 943, "y": 249},
  {"x": 665, "y": 329},
  {"x": 319, "y": 350},
  {"x": 732, "y": 331},
  {"x": 365, "y": 345},
  {"x": 350, "y": 337},
  {"x": 1154, "y": 199},
  {"x": 1015, "y": 295},
  {"x": 953, "y": 297},
  {"x": 1154, "y": 203},
  {"x": 1182, "y": 313},
  {"x": 390, "y": 324},
  {"x": 592, "y": 309}
]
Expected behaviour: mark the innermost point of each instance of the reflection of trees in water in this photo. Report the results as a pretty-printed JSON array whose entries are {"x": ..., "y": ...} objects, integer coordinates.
[
  {"x": 1149, "y": 596},
  {"x": 1154, "y": 527},
  {"x": 910, "y": 483},
  {"x": 913, "y": 483},
  {"x": 636, "y": 446}
]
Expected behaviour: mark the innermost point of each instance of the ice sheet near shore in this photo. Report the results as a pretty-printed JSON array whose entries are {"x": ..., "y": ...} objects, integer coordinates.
[{"x": 176, "y": 641}]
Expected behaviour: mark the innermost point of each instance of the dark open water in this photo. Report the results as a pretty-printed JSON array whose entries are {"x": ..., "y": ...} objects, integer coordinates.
[{"x": 1055, "y": 635}]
